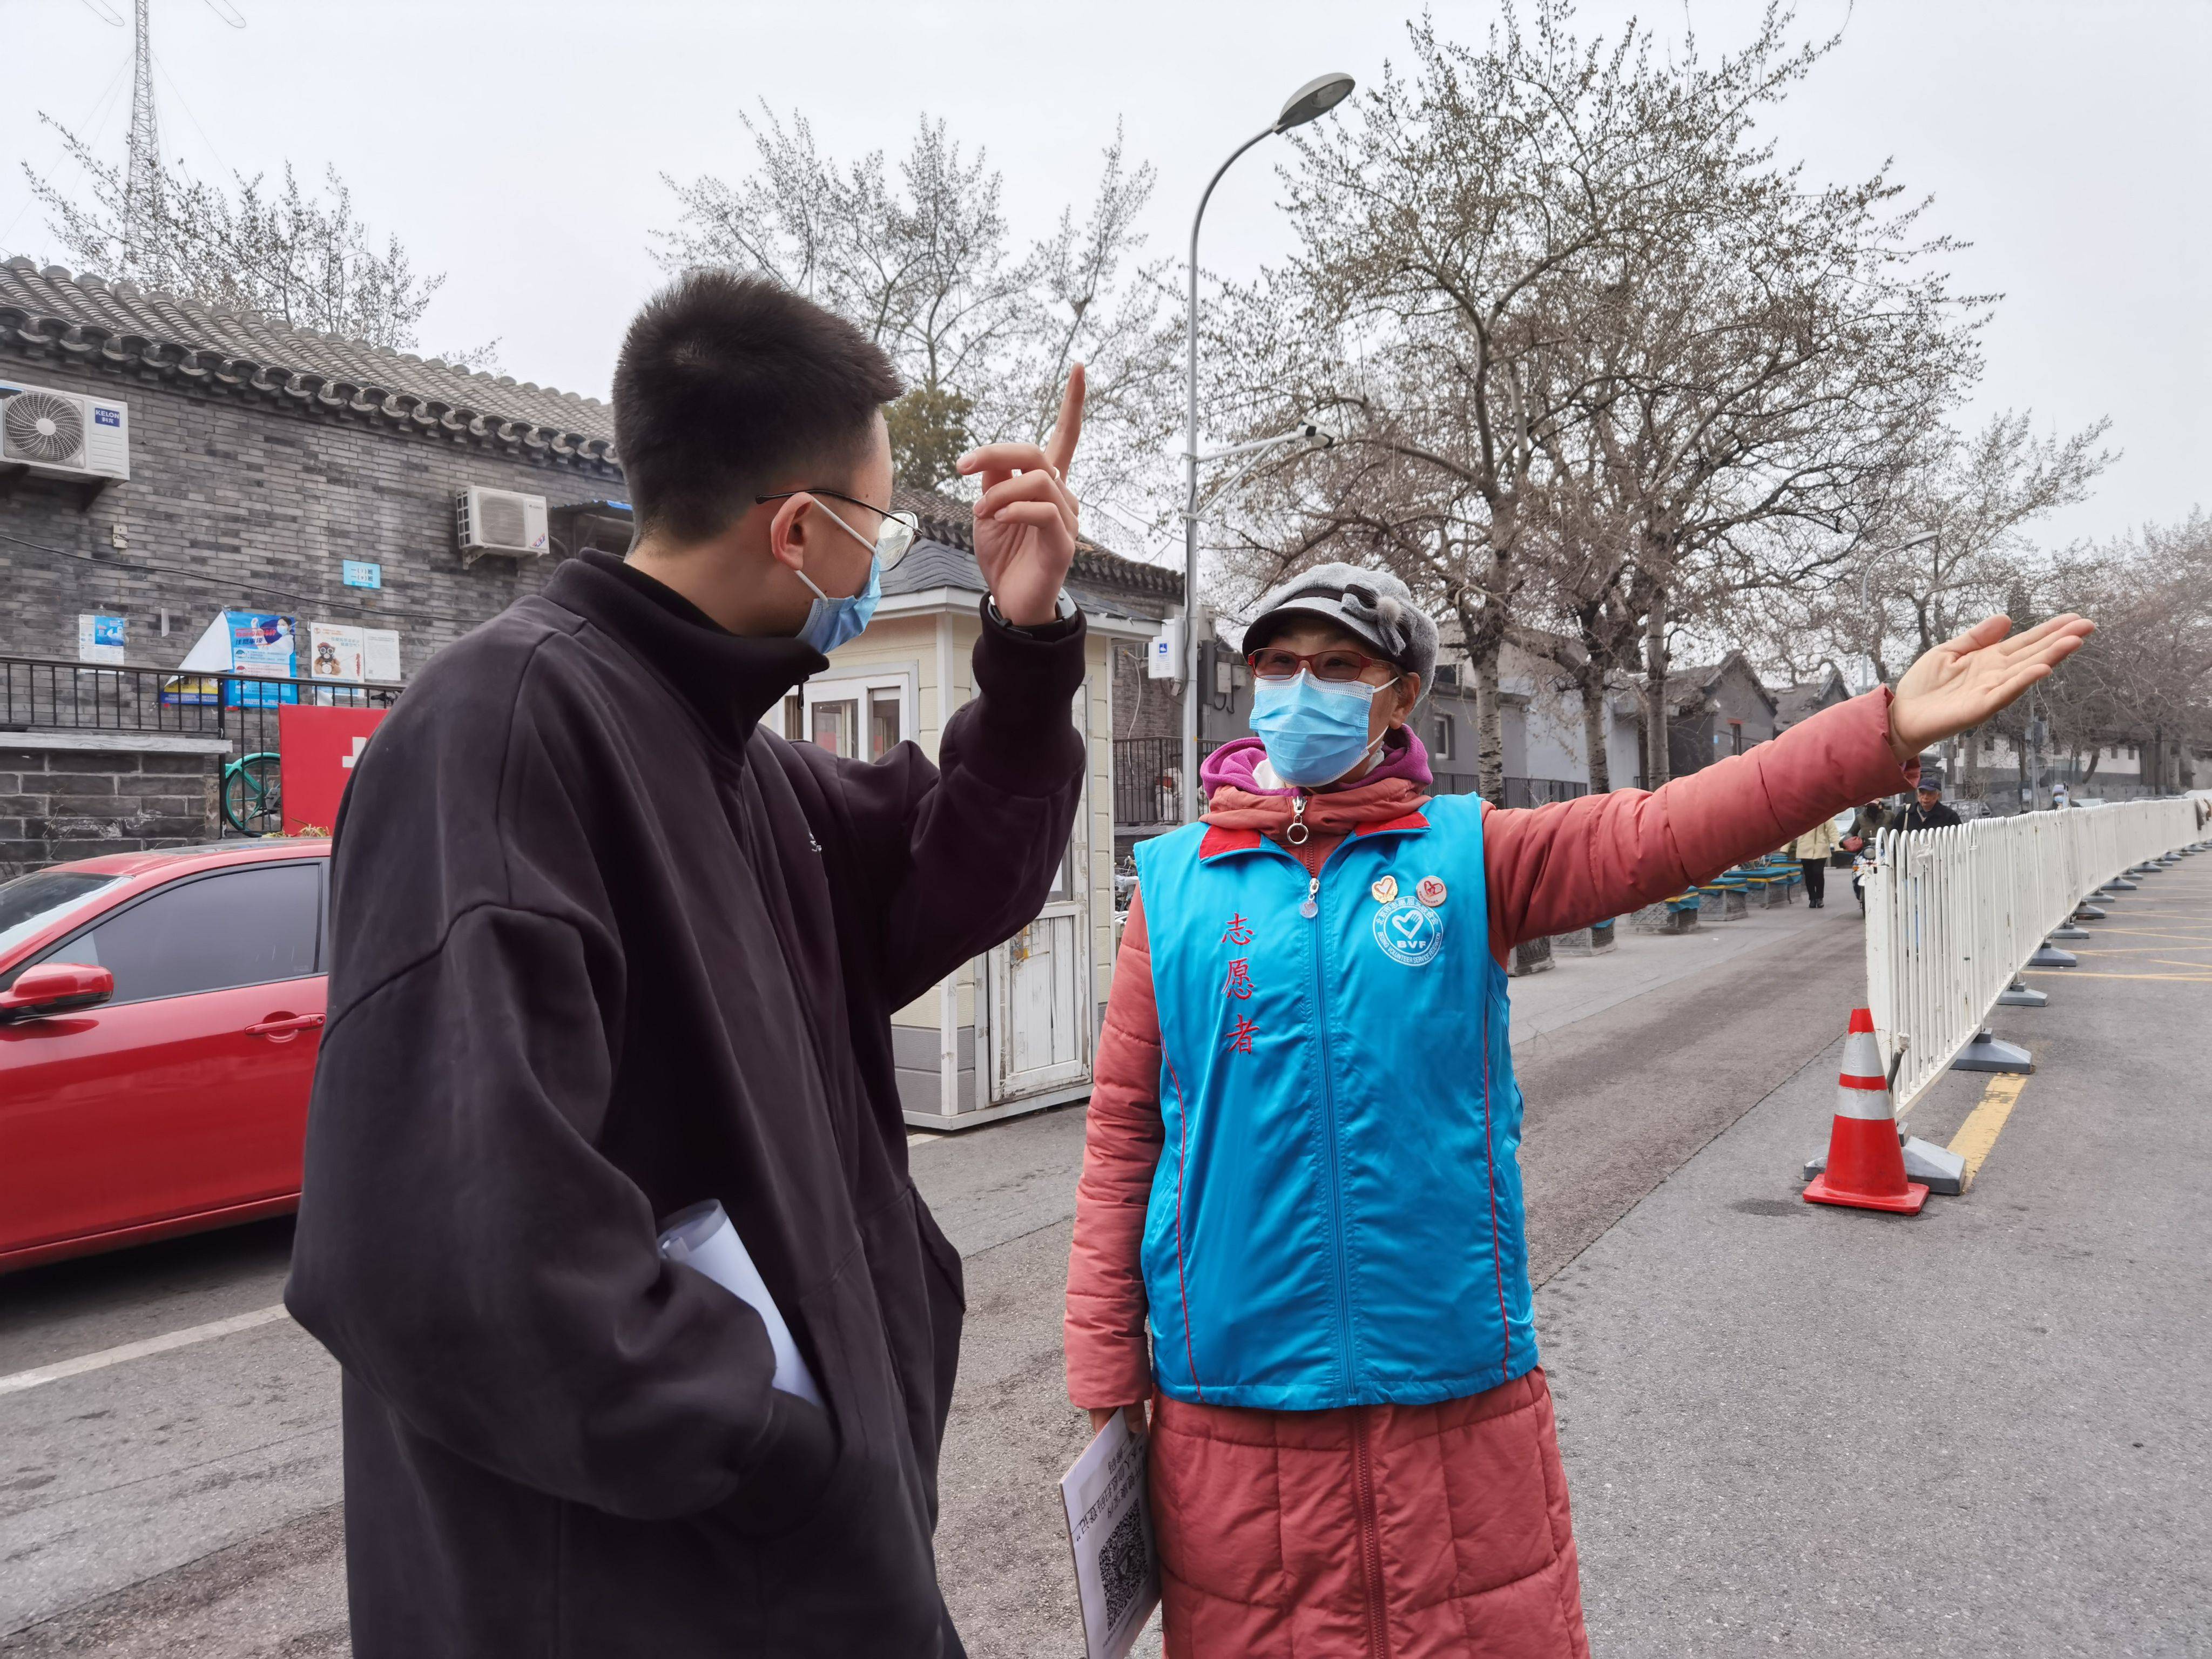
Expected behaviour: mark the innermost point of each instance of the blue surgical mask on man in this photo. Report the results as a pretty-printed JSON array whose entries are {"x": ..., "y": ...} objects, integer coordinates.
[
  {"x": 1315, "y": 732},
  {"x": 830, "y": 622}
]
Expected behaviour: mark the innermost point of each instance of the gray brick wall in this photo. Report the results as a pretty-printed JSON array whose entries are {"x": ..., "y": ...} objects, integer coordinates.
[
  {"x": 240, "y": 490},
  {"x": 60, "y": 803}
]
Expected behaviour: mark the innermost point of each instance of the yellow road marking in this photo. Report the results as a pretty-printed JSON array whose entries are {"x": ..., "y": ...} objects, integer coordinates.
[
  {"x": 2175, "y": 961},
  {"x": 1978, "y": 1134}
]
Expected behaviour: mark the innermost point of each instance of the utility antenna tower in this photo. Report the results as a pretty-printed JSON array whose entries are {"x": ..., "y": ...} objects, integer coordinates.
[{"x": 142, "y": 178}]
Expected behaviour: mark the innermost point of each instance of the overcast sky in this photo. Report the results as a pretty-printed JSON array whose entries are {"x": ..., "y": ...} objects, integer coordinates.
[{"x": 518, "y": 148}]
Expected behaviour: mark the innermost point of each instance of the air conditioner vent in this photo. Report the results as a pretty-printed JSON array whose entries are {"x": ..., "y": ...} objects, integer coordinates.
[
  {"x": 45, "y": 428},
  {"x": 503, "y": 520}
]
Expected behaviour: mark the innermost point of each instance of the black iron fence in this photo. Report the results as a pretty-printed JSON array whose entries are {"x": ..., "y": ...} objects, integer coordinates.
[
  {"x": 39, "y": 695},
  {"x": 1147, "y": 781}
]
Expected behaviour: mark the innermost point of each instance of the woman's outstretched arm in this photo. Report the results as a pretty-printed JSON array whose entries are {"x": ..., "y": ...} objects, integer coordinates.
[{"x": 1552, "y": 869}]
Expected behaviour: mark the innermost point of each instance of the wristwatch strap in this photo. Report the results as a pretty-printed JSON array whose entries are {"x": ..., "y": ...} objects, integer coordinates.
[{"x": 1064, "y": 612}]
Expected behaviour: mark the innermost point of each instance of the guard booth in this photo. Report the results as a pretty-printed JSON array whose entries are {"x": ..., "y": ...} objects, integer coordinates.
[{"x": 1015, "y": 1030}]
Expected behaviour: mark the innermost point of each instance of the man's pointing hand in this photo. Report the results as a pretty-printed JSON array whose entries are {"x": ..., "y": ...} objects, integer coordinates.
[{"x": 1025, "y": 521}]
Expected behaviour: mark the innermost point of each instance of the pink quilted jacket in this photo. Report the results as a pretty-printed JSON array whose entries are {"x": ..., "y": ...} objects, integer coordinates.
[{"x": 1393, "y": 1532}]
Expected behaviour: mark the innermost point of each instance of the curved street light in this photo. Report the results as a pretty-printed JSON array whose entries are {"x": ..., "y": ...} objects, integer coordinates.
[{"x": 1310, "y": 102}]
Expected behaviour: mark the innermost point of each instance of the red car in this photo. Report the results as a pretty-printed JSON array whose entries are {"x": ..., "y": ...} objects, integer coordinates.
[{"x": 160, "y": 1016}]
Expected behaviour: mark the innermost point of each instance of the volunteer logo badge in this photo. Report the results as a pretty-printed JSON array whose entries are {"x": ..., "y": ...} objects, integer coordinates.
[
  {"x": 1385, "y": 890},
  {"x": 1410, "y": 933},
  {"x": 1431, "y": 891}
]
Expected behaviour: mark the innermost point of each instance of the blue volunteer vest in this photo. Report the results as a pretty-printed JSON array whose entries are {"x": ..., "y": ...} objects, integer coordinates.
[{"x": 1336, "y": 1217}]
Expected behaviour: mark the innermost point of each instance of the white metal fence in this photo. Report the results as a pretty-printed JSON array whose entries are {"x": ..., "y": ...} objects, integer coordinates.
[{"x": 1953, "y": 914}]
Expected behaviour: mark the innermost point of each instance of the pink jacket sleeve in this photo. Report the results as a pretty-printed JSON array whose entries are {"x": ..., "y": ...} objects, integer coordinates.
[
  {"x": 1109, "y": 1357},
  {"x": 1552, "y": 869}
]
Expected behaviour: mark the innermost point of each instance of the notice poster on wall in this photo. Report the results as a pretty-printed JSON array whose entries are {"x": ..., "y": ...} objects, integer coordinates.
[
  {"x": 100, "y": 639},
  {"x": 266, "y": 647},
  {"x": 334, "y": 652},
  {"x": 379, "y": 656}
]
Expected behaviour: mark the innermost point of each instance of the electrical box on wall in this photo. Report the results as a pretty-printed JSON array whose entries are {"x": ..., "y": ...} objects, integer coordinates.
[{"x": 1163, "y": 655}]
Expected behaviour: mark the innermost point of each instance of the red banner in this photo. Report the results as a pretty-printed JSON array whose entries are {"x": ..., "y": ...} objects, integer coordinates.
[{"x": 320, "y": 746}]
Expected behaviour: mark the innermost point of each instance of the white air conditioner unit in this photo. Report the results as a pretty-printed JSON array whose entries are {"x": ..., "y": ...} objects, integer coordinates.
[
  {"x": 499, "y": 521},
  {"x": 64, "y": 434}
]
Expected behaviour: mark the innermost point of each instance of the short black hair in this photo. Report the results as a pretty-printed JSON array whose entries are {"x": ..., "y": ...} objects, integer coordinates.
[{"x": 726, "y": 382}]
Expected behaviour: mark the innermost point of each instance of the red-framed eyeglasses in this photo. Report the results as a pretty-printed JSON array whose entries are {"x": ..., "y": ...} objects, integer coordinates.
[{"x": 1339, "y": 662}]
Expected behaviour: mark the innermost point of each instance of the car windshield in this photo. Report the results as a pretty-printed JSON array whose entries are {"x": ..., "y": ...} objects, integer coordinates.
[{"x": 29, "y": 903}]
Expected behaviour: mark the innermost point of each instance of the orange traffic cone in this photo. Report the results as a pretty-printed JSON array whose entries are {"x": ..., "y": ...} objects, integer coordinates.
[{"x": 1866, "y": 1167}]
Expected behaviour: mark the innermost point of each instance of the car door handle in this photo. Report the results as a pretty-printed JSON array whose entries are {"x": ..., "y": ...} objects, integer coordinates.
[{"x": 283, "y": 1028}]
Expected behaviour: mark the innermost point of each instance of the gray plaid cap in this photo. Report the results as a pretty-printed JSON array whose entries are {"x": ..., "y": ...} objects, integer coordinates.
[{"x": 1372, "y": 604}]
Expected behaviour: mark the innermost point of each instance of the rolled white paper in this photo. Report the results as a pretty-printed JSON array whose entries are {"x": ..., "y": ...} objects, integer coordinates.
[{"x": 703, "y": 1239}]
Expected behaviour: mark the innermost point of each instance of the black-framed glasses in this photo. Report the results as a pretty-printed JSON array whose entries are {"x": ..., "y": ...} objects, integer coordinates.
[{"x": 898, "y": 533}]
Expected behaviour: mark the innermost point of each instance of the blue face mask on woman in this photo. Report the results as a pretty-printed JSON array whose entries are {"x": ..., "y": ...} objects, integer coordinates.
[
  {"x": 830, "y": 622},
  {"x": 1315, "y": 732}
]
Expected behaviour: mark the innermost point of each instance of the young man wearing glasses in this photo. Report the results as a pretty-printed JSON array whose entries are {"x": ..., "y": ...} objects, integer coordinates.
[{"x": 605, "y": 947}]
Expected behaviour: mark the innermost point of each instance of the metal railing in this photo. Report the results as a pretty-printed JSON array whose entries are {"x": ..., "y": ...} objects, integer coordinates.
[
  {"x": 1147, "y": 781},
  {"x": 1952, "y": 916},
  {"x": 37, "y": 694}
]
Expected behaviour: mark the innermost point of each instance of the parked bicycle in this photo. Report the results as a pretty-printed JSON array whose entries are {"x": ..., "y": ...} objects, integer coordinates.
[{"x": 252, "y": 795}]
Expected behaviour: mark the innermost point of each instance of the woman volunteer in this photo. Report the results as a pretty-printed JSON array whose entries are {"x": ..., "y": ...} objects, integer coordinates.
[{"x": 1299, "y": 1224}]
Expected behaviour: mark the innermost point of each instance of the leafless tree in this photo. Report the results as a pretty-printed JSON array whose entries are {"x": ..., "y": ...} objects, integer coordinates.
[
  {"x": 304, "y": 259},
  {"x": 925, "y": 263},
  {"x": 2145, "y": 676},
  {"x": 1588, "y": 343},
  {"x": 1946, "y": 543}
]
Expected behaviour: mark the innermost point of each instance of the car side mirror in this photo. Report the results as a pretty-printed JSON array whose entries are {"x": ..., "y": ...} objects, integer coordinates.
[{"x": 55, "y": 987}]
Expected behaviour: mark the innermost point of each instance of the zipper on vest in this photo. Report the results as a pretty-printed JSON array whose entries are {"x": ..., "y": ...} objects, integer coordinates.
[
  {"x": 1370, "y": 1538},
  {"x": 1328, "y": 1121}
]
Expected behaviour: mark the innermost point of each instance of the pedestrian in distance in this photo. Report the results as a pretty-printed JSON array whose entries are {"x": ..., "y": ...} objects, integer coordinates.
[
  {"x": 1928, "y": 810},
  {"x": 1298, "y": 1229},
  {"x": 606, "y": 946},
  {"x": 1811, "y": 850},
  {"x": 1858, "y": 841}
]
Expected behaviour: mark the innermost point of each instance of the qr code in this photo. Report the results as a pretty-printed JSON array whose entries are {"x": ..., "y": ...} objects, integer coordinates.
[{"x": 1122, "y": 1564}]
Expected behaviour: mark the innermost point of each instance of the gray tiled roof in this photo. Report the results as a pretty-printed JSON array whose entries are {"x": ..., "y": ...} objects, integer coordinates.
[
  {"x": 1099, "y": 580},
  {"x": 1796, "y": 702},
  {"x": 86, "y": 322}
]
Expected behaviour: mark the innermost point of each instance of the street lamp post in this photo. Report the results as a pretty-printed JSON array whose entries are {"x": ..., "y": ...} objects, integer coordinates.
[{"x": 1314, "y": 98}]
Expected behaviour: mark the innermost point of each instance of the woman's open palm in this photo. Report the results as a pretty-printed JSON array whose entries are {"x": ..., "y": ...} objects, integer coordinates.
[{"x": 1964, "y": 681}]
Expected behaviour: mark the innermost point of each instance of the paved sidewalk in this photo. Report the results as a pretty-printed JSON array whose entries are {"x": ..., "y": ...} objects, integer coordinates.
[
  {"x": 1580, "y": 987},
  {"x": 1790, "y": 1428}
]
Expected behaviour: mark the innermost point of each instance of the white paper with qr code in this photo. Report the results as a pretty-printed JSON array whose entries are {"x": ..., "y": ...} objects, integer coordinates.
[{"x": 1109, "y": 1528}]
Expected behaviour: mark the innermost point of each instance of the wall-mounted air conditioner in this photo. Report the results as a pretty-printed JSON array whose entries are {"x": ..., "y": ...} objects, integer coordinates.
[
  {"x": 64, "y": 434},
  {"x": 499, "y": 521}
]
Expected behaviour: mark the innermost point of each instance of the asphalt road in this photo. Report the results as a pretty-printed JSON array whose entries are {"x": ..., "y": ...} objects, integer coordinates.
[
  {"x": 1984, "y": 1430},
  {"x": 185, "y": 1503}
]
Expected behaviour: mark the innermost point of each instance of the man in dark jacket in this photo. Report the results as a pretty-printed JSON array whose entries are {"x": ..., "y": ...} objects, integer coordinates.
[
  {"x": 1928, "y": 810},
  {"x": 605, "y": 947}
]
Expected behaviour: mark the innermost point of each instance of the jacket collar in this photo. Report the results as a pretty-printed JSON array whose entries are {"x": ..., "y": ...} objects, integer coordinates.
[
  {"x": 1220, "y": 839},
  {"x": 729, "y": 680}
]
